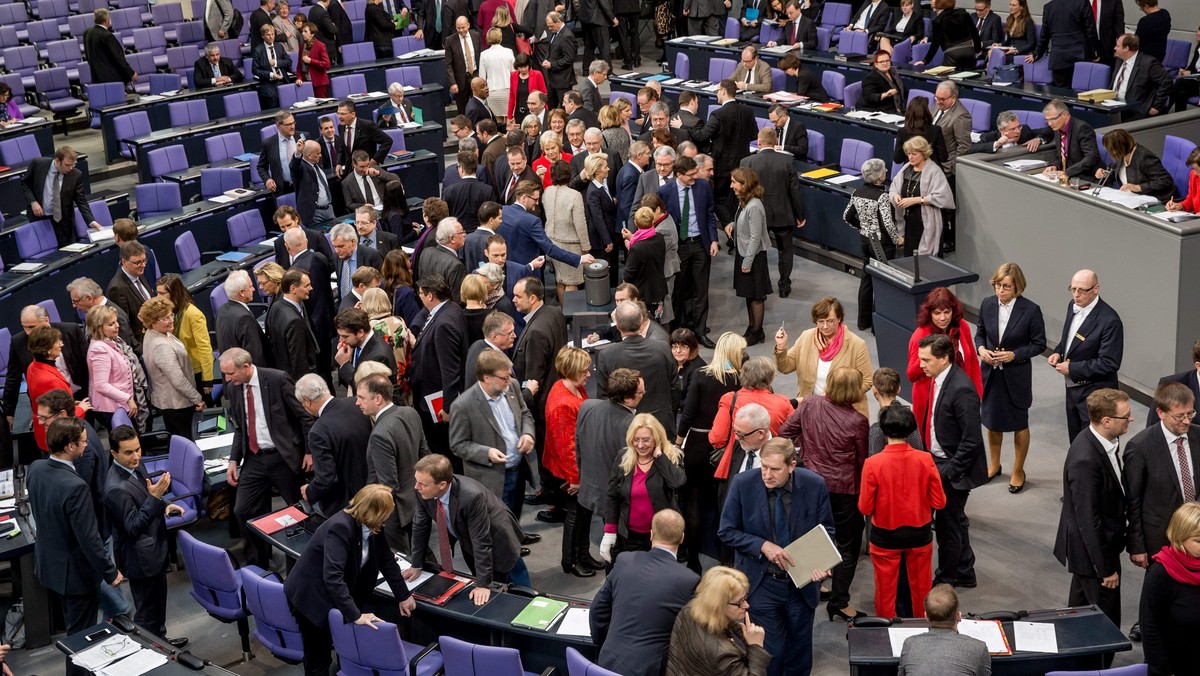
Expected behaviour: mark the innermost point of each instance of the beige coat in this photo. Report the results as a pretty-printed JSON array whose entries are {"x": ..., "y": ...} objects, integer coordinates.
[
  {"x": 566, "y": 226},
  {"x": 169, "y": 371},
  {"x": 802, "y": 358}
]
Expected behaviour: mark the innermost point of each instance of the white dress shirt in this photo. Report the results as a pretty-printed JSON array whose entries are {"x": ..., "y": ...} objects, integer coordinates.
[
  {"x": 1111, "y": 449},
  {"x": 939, "y": 382},
  {"x": 1080, "y": 314}
]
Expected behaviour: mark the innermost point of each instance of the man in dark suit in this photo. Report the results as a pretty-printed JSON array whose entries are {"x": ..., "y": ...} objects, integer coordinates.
[
  {"x": 320, "y": 306},
  {"x": 258, "y": 18},
  {"x": 130, "y": 288},
  {"x": 349, "y": 256},
  {"x": 1089, "y": 352},
  {"x": 1139, "y": 80},
  {"x": 271, "y": 66},
  {"x": 659, "y": 117},
  {"x": 509, "y": 173},
  {"x": 477, "y": 109},
  {"x": 362, "y": 134},
  {"x": 572, "y": 103},
  {"x": 358, "y": 343},
  {"x": 334, "y": 156},
  {"x": 1010, "y": 132},
  {"x": 270, "y": 442},
  {"x": 559, "y": 64},
  {"x": 524, "y": 234},
  {"x": 799, "y": 30},
  {"x": 433, "y": 26},
  {"x": 491, "y": 148},
  {"x": 730, "y": 129},
  {"x": 462, "y": 61},
  {"x": 214, "y": 70},
  {"x": 104, "y": 53},
  {"x": 474, "y": 250},
  {"x": 54, "y": 189},
  {"x": 544, "y": 335},
  {"x": 1190, "y": 378},
  {"x": 593, "y": 143},
  {"x": 293, "y": 343},
  {"x": 286, "y": 217},
  {"x": 777, "y": 175},
  {"x": 957, "y": 447},
  {"x": 470, "y": 515},
  {"x": 274, "y": 160},
  {"x": 320, "y": 15},
  {"x": 442, "y": 258},
  {"x": 1091, "y": 526},
  {"x": 137, "y": 512},
  {"x": 758, "y": 524},
  {"x": 236, "y": 324},
  {"x": 366, "y": 223},
  {"x": 697, "y": 245},
  {"x": 314, "y": 198},
  {"x": 1070, "y": 27},
  {"x": 790, "y": 134},
  {"x": 395, "y": 443},
  {"x": 1110, "y": 24},
  {"x": 596, "y": 17},
  {"x": 437, "y": 363},
  {"x": 468, "y": 195},
  {"x": 366, "y": 184},
  {"x": 69, "y": 555},
  {"x": 987, "y": 23},
  {"x": 1078, "y": 154},
  {"x": 74, "y": 352},
  {"x": 634, "y": 611},
  {"x": 647, "y": 357},
  {"x": 345, "y": 29},
  {"x": 628, "y": 178}
]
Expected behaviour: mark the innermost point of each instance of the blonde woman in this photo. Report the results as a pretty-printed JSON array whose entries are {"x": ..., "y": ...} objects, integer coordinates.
[
  {"x": 474, "y": 293},
  {"x": 551, "y": 150},
  {"x": 109, "y": 370},
  {"x": 269, "y": 277},
  {"x": 713, "y": 634},
  {"x": 920, "y": 192},
  {"x": 566, "y": 226},
  {"x": 286, "y": 32},
  {"x": 168, "y": 368},
  {"x": 645, "y": 479},
  {"x": 496, "y": 65},
  {"x": 191, "y": 327},
  {"x": 395, "y": 332},
  {"x": 613, "y": 131}
]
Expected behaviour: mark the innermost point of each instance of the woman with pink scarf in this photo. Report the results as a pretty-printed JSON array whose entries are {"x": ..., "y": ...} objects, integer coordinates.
[
  {"x": 818, "y": 351},
  {"x": 646, "y": 258}
]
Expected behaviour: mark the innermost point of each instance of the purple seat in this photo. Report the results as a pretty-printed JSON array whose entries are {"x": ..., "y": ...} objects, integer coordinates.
[
  {"x": 578, "y": 665},
  {"x": 467, "y": 659},
  {"x": 291, "y": 93},
  {"x": 152, "y": 40},
  {"x": 1176, "y": 56},
  {"x": 215, "y": 585},
  {"x": 51, "y": 9},
  {"x": 246, "y": 228},
  {"x": 120, "y": 417},
  {"x": 168, "y": 15},
  {"x": 241, "y": 103},
  {"x": 981, "y": 114},
  {"x": 19, "y": 150},
  {"x": 929, "y": 97},
  {"x": 54, "y": 93},
  {"x": 165, "y": 82},
  {"x": 184, "y": 113},
  {"x": 187, "y": 254},
  {"x": 185, "y": 462},
  {"x": 630, "y": 98},
  {"x": 190, "y": 32},
  {"x": 854, "y": 153},
  {"x": 920, "y": 51},
  {"x": 100, "y": 213},
  {"x": 902, "y": 52},
  {"x": 358, "y": 52},
  {"x": 778, "y": 79},
  {"x": 156, "y": 198},
  {"x": 182, "y": 58},
  {"x": 8, "y": 36},
  {"x": 22, "y": 61},
  {"x": 217, "y": 297},
  {"x": 816, "y": 146},
  {"x": 274, "y": 625},
  {"x": 14, "y": 14},
  {"x": 167, "y": 160},
  {"x": 1105, "y": 157},
  {"x": 1088, "y": 76},
  {"x": 78, "y": 24},
  {"x": 5, "y": 344},
  {"x": 36, "y": 239},
  {"x": 41, "y": 32},
  {"x": 65, "y": 53},
  {"x": 1174, "y": 159},
  {"x": 214, "y": 182},
  {"x": 145, "y": 65},
  {"x": 405, "y": 44},
  {"x": 51, "y": 310},
  {"x": 409, "y": 76},
  {"x": 835, "y": 15},
  {"x": 719, "y": 69},
  {"x": 683, "y": 65},
  {"x": 363, "y": 651},
  {"x": 1037, "y": 72},
  {"x": 130, "y": 126},
  {"x": 851, "y": 94},
  {"x": 769, "y": 33},
  {"x": 397, "y": 136},
  {"x": 344, "y": 85},
  {"x": 834, "y": 84},
  {"x": 224, "y": 146},
  {"x": 286, "y": 200},
  {"x": 996, "y": 58},
  {"x": 852, "y": 42},
  {"x": 733, "y": 30},
  {"x": 824, "y": 38},
  {"x": 1131, "y": 670},
  {"x": 1031, "y": 118}
]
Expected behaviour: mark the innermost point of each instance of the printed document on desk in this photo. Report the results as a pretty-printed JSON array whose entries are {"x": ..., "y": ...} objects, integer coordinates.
[
  {"x": 1126, "y": 199},
  {"x": 898, "y": 635},
  {"x": 1035, "y": 637}
]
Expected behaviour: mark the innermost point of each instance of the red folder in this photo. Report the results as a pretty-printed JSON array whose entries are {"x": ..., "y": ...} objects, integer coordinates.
[{"x": 273, "y": 523}]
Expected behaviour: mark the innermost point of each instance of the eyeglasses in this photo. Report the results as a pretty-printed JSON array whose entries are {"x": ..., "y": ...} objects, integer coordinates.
[
  {"x": 1003, "y": 287},
  {"x": 742, "y": 435},
  {"x": 1127, "y": 417},
  {"x": 1077, "y": 289},
  {"x": 502, "y": 378},
  {"x": 828, "y": 322},
  {"x": 45, "y": 419},
  {"x": 739, "y": 602},
  {"x": 1052, "y": 119},
  {"x": 1180, "y": 417}
]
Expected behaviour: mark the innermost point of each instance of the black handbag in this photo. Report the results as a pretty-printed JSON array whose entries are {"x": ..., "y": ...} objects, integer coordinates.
[
  {"x": 717, "y": 452},
  {"x": 1008, "y": 74}
]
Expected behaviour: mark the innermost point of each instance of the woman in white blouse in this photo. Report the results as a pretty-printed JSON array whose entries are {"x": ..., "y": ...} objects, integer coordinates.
[{"x": 496, "y": 66}]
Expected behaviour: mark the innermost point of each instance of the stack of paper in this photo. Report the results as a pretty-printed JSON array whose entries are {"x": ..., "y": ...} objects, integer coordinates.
[
  {"x": 1126, "y": 199},
  {"x": 1035, "y": 637},
  {"x": 575, "y": 623},
  {"x": 1025, "y": 165},
  {"x": 898, "y": 635},
  {"x": 990, "y": 632}
]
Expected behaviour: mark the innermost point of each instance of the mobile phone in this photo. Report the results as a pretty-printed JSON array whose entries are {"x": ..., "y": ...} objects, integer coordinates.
[{"x": 97, "y": 635}]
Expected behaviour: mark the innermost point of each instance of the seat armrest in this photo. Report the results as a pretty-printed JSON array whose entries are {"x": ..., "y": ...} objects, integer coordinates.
[{"x": 416, "y": 659}]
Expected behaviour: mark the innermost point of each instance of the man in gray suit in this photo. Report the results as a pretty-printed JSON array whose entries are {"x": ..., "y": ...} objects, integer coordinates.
[
  {"x": 955, "y": 120},
  {"x": 442, "y": 259},
  {"x": 491, "y": 428},
  {"x": 650, "y": 181},
  {"x": 704, "y": 16},
  {"x": 218, "y": 17},
  {"x": 943, "y": 650},
  {"x": 392, "y": 451},
  {"x": 777, "y": 174},
  {"x": 651, "y": 358}
]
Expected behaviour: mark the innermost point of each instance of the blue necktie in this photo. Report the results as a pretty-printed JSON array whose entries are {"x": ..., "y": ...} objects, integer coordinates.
[
  {"x": 782, "y": 537},
  {"x": 357, "y": 351}
]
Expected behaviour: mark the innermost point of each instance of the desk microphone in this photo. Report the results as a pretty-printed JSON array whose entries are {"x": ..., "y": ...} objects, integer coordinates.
[{"x": 1107, "y": 175}]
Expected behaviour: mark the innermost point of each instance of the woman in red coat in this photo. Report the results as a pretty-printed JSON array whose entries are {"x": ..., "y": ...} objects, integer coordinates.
[
  {"x": 522, "y": 81},
  {"x": 900, "y": 488},
  {"x": 940, "y": 313},
  {"x": 42, "y": 376},
  {"x": 558, "y": 454},
  {"x": 1191, "y": 203},
  {"x": 314, "y": 62}
]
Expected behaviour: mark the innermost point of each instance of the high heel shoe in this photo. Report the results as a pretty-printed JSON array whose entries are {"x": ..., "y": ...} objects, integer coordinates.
[
  {"x": 754, "y": 337},
  {"x": 998, "y": 472},
  {"x": 841, "y": 613},
  {"x": 1015, "y": 488}
]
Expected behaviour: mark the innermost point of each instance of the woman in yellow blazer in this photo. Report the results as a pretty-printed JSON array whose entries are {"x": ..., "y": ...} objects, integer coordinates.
[
  {"x": 191, "y": 328},
  {"x": 820, "y": 350}
]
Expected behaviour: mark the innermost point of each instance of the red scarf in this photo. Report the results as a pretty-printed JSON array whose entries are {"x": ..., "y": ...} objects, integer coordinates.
[
  {"x": 640, "y": 235},
  {"x": 830, "y": 348},
  {"x": 1180, "y": 566}
]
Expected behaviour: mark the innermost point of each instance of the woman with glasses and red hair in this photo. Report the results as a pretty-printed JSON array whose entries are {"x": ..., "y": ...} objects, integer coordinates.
[{"x": 941, "y": 312}]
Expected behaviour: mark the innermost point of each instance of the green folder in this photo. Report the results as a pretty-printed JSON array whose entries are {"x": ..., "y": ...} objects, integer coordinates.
[
  {"x": 418, "y": 116},
  {"x": 540, "y": 614}
]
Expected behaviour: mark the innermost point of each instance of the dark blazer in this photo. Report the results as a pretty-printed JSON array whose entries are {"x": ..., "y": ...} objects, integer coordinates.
[
  {"x": 384, "y": 241},
  {"x": 338, "y": 442},
  {"x": 1096, "y": 358},
  {"x": 1152, "y": 486},
  {"x": 106, "y": 56},
  {"x": 464, "y": 199},
  {"x": 332, "y": 574},
  {"x": 345, "y": 31},
  {"x": 1069, "y": 24},
  {"x": 991, "y": 31},
  {"x": 426, "y": 16},
  {"x": 1189, "y": 377},
  {"x": 633, "y": 613},
  {"x": 1110, "y": 27},
  {"x": 702, "y": 202},
  {"x": 369, "y": 137},
  {"x": 437, "y": 259},
  {"x": 261, "y": 66},
  {"x": 70, "y": 193},
  {"x": 795, "y": 141},
  {"x": 477, "y": 111},
  {"x": 352, "y": 192},
  {"x": 474, "y": 247},
  {"x": 879, "y": 19},
  {"x": 339, "y": 148},
  {"x": 482, "y": 525},
  {"x": 1091, "y": 525},
  {"x": 293, "y": 343},
  {"x": 746, "y": 521},
  {"x": 956, "y": 422},
  {"x": 534, "y": 352},
  {"x": 560, "y": 52},
  {"x": 395, "y": 444},
  {"x": 808, "y": 83},
  {"x": 648, "y": 357},
  {"x": 437, "y": 362},
  {"x": 327, "y": 30},
  {"x": 1025, "y": 335},
  {"x": 730, "y": 129},
  {"x": 389, "y": 121},
  {"x": 803, "y": 30},
  {"x": 581, "y": 185},
  {"x": 914, "y": 29},
  {"x": 203, "y": 74},
  {"x": 320, "y": 303},
  {"x": 75, "y": 344},
  {"x": 270, "y": 166},
  {"x": 258, "y": 18},
  {"x": 777, "y": 174},
  {"x": 937, "y": 140},
  {"x": 987, "y": 140},
  {"x": 627, "y": 183},
  {"x": 587, "y": 117},
  {"x": 526, "y": 238},
  {"x": 1147, "y": 172},
  {"x": 663, "y": 482},
  {"x": 1083, "y": 155},
  {"x": 874, "y": 85},
  {"x": 317, "y": 242},
  {"x": 304, "y": 176},
  {"x": 122, "y": 293},
  {"x": 364, "y": 255},
  {"x": 601, "y": 216},
  {"x": 289, "y": 423},
  {"x": 1149, "y": 85},
  {"x": 238, "y": 327},
  {"x": 139, "y": 525},
  {"x": 644, "y": 269},
  {"x": 376, "y": 349},
  {"x": 591, "y": 96},
  {"x": 69, "y": 556},
  {"x": 380, "y": 29}
]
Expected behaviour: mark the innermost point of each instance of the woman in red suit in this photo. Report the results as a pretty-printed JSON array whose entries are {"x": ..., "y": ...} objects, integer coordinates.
[
  {"x": 940, "y": 313},
  {"x": 42, "y": 376},
  {"x": 558, "y": 454},
  {"x": 523, "y": 80},
  {"x": 900, "y": 487},
  {"x": 314, "y": 62},
  {"x": 1191, "y": 203}
]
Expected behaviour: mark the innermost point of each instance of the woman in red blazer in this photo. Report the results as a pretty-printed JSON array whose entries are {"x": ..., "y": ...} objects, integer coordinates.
[
  {"x": 1191, "y": 203},
  {"x": 900, "y": 489},
  {"x": 940, "y": 313},
  {"x": 523, "y": 80},
  {"x": 314, "y": 62},
  {"x": 42, "y": 376}
]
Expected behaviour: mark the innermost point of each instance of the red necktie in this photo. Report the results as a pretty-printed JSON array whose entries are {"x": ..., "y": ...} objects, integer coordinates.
[
  {"x": 251, "y": 419},
  {"x": 1185, "y": 472},
  {"x": 1095, "y": 10},
  {"x": 445, "y": 554}
]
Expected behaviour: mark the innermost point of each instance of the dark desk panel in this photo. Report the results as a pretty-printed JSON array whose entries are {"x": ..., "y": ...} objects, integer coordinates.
[
  {"x": 78, "y": 642},
  {"x": 18, "y": 551}
]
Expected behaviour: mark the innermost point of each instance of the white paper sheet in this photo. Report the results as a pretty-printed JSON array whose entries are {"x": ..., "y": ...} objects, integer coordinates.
[
  {"x": 1035, "y": 637},
  {"x": 843, "y": 179},
  {"x": 1025, "y": 165},
  {"x": 104, "y": 652},
  {"x": 990, "y": 632},
  {"x": 136, "y": 664},
  {"x": 219, "y": 441},
  {"x": 575, "y": 623},
  {"x": 1131, "y": 200},
  {"x": 897, "y": 635}
]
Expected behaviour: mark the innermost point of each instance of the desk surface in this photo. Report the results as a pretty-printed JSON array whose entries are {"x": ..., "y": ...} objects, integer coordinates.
[
  {"x": 19, "y": 545},
  {"x": 78, "y": 642}
]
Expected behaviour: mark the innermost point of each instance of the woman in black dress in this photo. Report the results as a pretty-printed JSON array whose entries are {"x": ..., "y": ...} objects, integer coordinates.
[
  {"x": 601, "y": 210},
  {"x": 751, "y": 276},
  {"x": 954, "y": 31},
  {"x": 1020, "y": 32},
  {"x": 918, "y": 121},
  {"x": 646, "y": 257},
  {"x": 394, "y": 218},
  {"x": 1011, "y": 333},
  {"x": 882, "y": 90},
  {"x": 685, "y": 348},
  {"x": 908, "y": 23},
  {"x": 1171, "y": 597}
]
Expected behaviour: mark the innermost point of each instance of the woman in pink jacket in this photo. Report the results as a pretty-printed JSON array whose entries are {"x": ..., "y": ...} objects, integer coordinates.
[{"x": 109, "y": 370}]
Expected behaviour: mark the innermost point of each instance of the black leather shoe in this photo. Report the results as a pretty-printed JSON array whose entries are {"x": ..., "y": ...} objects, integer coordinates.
[
  {"x": 579, "y": 570},
  {"x": 524, "y": 552},
  {"x": 593, "y": 563},
  {"x": 1135, "y": 632},
  {"x": 535, "y": 498},
  {"x": 178, "y": 642},
  {"x": 531, "y": 538},
  {"x": 964, "y": 584},
  {"x": 755, "y": 338},
  {"x": 784, "y": 291},
  {"x": 705, "y": 341},
  {"x": 551, "y": 516}
]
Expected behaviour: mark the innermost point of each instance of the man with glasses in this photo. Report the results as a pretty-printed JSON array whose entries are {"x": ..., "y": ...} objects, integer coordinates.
[
  {"x": 650, "y": 181},
  {"x": 1078, "y": 154},
  {"x": 524, "y": 233},
  {"x": 752, "y": 428},
  {"x": 690, "y": 203},
  {"x": 130, "y": 288},
  {"x": 1009, "y": 133},
  {"x": 752, "y": 73},
  {"x": 1161, "y": 465},
  {"x": 954, "y": 119},
  {"x": 1091, "y": 525},
  {"x": 54, "y": 189},
  {"x": 1088, "y": 354}
]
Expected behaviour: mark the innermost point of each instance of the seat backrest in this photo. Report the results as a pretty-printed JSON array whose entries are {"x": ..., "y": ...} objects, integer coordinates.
[
  {"x": 854, "y": 153},
  {"x": 1177, "y": 53},
  {"x": 186, "y": 251},
  {"x": 35, "y": 239},
  {"x": 834, "y": 84},
  {"x": 105, "y": 94},
  {"x": 397, "y": 136},
  {"x": 578, "y": 665},
  {"x": 1174, "y": 159},
  {"x": 902, "y": 52},
  {"x": 778, "y": 79},
  {"x": 164, "y": 13},
  {"x": 1088, "y": 76},
  {"x": 100, "y": 213},
  {"x": 131, "y": 125},
  {"x": 186, "y": 463},
  {"x": 182, "y": 57},
  {"x": 405, "y": 44},
  {"x": 8, "y": 36},
  {"x": 22, "y": 60},
  {"x": 835, "y": 14},
  {"x": 215, "y": 584},
  {"x": 683, "y": 66},
  {"x": 358, "y": 52},
  {"x": 64, "y": 52},
  {"x": 851, "y": 94},
  {"x": 165, "y": 82},
  {"x": 1129, "y": 670},
  {"x": 1105, "y": 156},
  {"x": 151, "y": 39},
  {"x": 223, "y": 146},
  {"x": 241, "y": 103},
  {"x": 14, "y": 14},
  {"x": 246, "y": 228},
  {"x": 824, "y": 38},
  {"x": 156, "y": 198},
  {"x": 50, "y": 307},
  {"x": 719, "y": 69},
  {"x": 1037, "y": 72},
  {"x": 465, "y": 658},
  {"x": 217, "y": 297},
  {"x": 852, "y": 42},
  {"x": 996, "y": 58},
  {"x": 125, "y": 19},
  {"x": 409, "y": 76},
  {"x": 274, "y": 624},
  {"x": 733, "y": 29},
  {"x": 52, "y": 83},
  {"x": 1030, "y": 118},
  {"x": 919, "y": 52},
  {"x": 291, "y": 93},
  {"x": 772, "y": 32},
  {"x": 630, "y": 98},
  {"x": 345, "y": 85},
  {"x": 981, "y": 114},
  {"x": 184, "y": 113},
  {"x": 929, "y": 97},
  {"x": 367, "y": 651},
  {"x": 816, "y": 147},
  {"x": 167, "y": 160},
  {"x": 214, "y": 182},
  {"x": 41, "y": 32},
  {"x": 19, "y": 150},
  {"x": 190, "y": 33}
]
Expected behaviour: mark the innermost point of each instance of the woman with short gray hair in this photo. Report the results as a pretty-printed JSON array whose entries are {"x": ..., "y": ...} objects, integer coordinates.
[{"x": 870, "y": 212}]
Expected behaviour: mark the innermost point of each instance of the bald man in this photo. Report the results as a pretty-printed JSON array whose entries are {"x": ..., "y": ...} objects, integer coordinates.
[
  {"x": 1089, "y": 353},
  {"x": 314, "y": 199}
]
